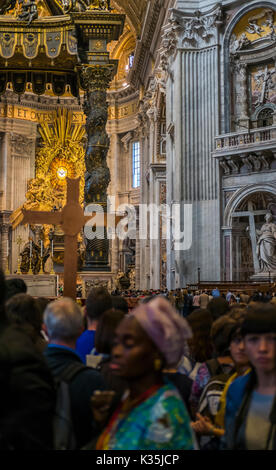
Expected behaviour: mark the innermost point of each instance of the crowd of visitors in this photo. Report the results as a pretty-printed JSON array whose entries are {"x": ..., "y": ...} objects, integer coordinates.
[
  {"x": 181, "y": 370},
  {"x": 188, "y": 300}
]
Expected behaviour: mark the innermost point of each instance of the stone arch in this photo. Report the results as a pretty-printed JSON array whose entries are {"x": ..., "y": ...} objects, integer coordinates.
[
  {"x": 244, "y": 215},
  {"x": 120, "y": 51},
  {"x": 241, "y": 195},
  {"x": 263, "y": 113}
]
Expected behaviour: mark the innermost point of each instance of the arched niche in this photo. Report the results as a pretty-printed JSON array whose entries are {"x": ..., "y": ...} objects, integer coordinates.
[
  {"x": 244, "y": 214},
  {"x": 249, "y": 59}
]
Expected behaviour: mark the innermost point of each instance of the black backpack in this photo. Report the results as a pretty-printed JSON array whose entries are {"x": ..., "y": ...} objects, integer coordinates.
[
  {"x": 64, "y": 435},
  {"x": 216, "y": 368}
]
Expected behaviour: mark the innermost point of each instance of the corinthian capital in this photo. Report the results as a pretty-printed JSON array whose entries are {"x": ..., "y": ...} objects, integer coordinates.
[
  {"x": 21, "y": 145},
  {"x": 4, "y": 228},
  {"x": 199, "y": 29},
  {"x": 97, "y": 77}
]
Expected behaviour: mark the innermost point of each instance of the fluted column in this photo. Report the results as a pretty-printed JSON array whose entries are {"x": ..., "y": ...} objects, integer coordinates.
[
  {"x": 115, "y": 255},
  {"x": 199, "y": 73},
  {"x": 193, "y": 88},
  {"x": 137, "y": 255},
  {"x": 153, "y": 218},
  {"x": 22, "y": 152},
  {"x": 5, "y": 246},
  {"x": 113, "y": 163},
  {"x": 143, "y": 226}
]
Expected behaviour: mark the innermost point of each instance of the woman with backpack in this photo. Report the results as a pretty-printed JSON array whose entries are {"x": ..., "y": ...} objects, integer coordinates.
[
  {"x": 200, "y": 345},
  {"x": 209, "y": 424},
  {"x": 221, "y": 363}
]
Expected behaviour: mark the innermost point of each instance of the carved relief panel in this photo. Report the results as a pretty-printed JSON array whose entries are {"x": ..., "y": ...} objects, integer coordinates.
[
  {"x": 262, "y": 85},
  {"x": 252, "y": 57}
]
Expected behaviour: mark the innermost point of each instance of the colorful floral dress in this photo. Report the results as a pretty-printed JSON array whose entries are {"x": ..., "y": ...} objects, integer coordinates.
[{"x": 159, "y": 421}]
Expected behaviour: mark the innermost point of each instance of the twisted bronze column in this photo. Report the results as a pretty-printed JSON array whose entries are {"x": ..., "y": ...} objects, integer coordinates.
[
  {"x": 94, "y": 30},
  {"x": 95, "y": 81}
]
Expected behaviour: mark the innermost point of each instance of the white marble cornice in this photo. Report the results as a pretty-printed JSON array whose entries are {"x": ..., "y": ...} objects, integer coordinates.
[
  {"x": 126, "y": 140},
  {"x": 159, "y": 170},
  {"x": 125, "y": 93},
  {"x": 42, "y": 103}
]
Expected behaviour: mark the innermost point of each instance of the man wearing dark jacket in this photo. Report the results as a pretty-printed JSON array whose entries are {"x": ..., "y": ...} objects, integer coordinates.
[
  {"x": 27, "y": 389},
  {"x": 63, "y": 324}
]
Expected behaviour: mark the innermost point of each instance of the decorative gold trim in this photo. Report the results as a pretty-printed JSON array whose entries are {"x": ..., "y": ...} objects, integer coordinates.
[{"x": 62, "y": 143}]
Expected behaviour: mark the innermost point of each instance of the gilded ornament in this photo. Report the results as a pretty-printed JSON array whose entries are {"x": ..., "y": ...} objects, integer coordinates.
[
  {"x": 98, "y": 45},
  {"x": 29, "y": 12},
  {"x": 6, "y": 6},
  {"x": 61, "y": 155}
]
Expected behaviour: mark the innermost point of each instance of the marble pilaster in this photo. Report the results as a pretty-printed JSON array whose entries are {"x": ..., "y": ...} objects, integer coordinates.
[
  {"x": 17, "y": 166},
  {"x": 137, "y": 257},
  {"x": 158, "y": 176},
  {"x": 5, "y": 228},
  {"x": 144, "y": 199},
  {"x": 22, "y": 150},
  {"x": 193, "y": 179}
]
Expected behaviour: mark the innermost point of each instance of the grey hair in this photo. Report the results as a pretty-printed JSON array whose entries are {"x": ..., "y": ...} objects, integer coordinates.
[{"x": 63, "y": 319}]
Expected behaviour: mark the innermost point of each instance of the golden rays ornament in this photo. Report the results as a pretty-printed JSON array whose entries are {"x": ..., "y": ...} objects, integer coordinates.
[{"x": 60, "y": 156}]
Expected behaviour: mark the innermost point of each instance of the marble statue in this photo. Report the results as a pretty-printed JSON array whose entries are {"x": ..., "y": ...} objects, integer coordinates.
[{"x": 266, "y": 245}]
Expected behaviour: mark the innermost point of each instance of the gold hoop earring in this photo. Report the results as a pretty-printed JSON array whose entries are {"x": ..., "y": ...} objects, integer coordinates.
[{"x": 157, "y": 364}]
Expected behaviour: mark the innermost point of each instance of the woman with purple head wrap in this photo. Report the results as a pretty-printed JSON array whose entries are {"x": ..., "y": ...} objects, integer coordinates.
[
  {"x": 152, "y": 414},
  {"x": 166, "y": 328}
]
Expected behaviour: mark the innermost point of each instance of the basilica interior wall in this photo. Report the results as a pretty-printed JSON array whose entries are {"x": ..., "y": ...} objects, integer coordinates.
[
  {"x": 248, "y": 124},
  {"x": 207, "y": 95},
  {"x": 196, "y": 88},
  {"x": 122, "y": 134}
]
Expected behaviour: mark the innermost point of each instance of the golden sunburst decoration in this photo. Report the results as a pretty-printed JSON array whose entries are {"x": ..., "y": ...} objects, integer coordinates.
[{"x": 61, "y": 155}]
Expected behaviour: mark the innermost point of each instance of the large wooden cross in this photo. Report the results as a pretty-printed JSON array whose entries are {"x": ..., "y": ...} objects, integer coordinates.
[
  {"x": 250, "y": 213},
  {"x": 71, "y": 219}
]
